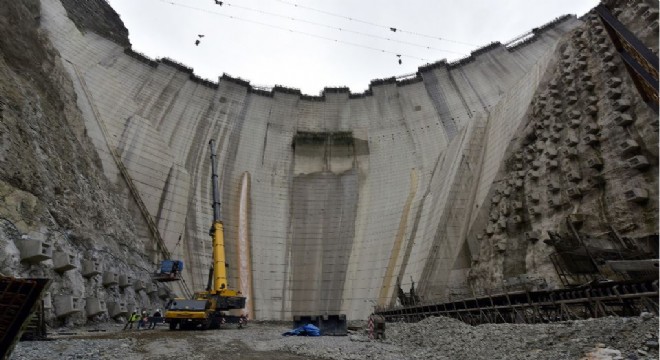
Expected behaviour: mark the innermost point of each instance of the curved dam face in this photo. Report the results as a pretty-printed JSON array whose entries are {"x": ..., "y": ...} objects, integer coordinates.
[{"x": 348, "y": 194}]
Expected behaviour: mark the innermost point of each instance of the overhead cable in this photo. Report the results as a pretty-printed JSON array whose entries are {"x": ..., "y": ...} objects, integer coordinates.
[
  {"x": 341, "y": 29},
  {"x": 293, "y": 31},
  {"x": 390, "y": 28}
]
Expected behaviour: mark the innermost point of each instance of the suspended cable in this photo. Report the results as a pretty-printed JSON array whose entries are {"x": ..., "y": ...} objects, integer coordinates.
[
  {"x": 393, "y": 29},
  {"x": 340, "y": 29},
  {"x": 293, "y": 31}
]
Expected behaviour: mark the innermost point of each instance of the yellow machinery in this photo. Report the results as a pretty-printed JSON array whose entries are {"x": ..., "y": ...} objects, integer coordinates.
[{"x": 206, "y": 308}]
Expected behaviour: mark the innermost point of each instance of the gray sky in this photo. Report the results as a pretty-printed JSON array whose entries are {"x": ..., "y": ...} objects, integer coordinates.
[{"x": 243, "y": 38}]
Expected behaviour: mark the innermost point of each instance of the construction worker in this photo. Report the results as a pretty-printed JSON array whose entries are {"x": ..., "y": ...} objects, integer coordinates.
[
  {"x": 133, "y": 318},
  {"x": 143, "y": 320},
  {"x": 155, "y": 318}
]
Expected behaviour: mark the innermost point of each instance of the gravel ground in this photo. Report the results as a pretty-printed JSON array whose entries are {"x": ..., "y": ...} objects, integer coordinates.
[{"x": 434, "y": 338}]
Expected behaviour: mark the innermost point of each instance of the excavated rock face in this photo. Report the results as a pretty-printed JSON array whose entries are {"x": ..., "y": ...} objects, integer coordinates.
[
  {"x": 579, "y": 187},
  {"x": 562, "y": 142},
  {"x": 99, "y": 17},
  {"x": 52, "y": 187}
]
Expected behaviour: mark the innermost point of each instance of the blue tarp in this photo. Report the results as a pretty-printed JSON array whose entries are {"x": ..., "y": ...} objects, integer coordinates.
[
  {"x": 305, "y": 330},
  {"x": 167, "y": 265}
]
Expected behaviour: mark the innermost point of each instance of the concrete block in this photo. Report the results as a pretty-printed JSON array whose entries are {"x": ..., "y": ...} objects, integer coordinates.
[
  {"x": 555, "y": 137},
  {"x": 536, "y": 164},
  {"x": 591, "y": 110},
  {"x": 534, "y": 210},
  {"x": 613, "y": 94},
  {"x": 504, "y": 208},
  {"x": 621, "y": 119},
  {"x": 518, "y": 184},
  {"x": 610, "y": 66},
  {"x": 494, "y": 214},
  {"x": 66, "y": 305},
  {"x": 650, "y": 15},
  {"x": 517, "y": 219},
  {"x": 596, "y": 180},
  {"x": 517, "y": 205},
  {"x": 555, "y": 201},
  {"x": 613, "y": 82},
  {"x": 581, "y": 65},
  {"x": 553, "y": 186},
  {"x": 571, "y": 139},
  {"x": 637, "y": 195},
  {"x": 557, "y": 127},
  {"x": 34, "y": 251},
  {"x": 573, "y": 176},
  {"x": 594, "y": 163},
  {"x": 94, "y": 306},
  {"x": 640, "y": 9},
  {"x": 607, "y": 55},
  {"x": 588, "y": 86},
  {"x": 591, "y": 128},
  {"x": 570, "y": 91},
  {"x": 117, "y": 308},
  {"x": 534, "y": 174},
  {"x": 139, "y": 285},
  {"x": 621, "y": 105},
  {"x": 151, "y": 288},
  {"x": 551, "y": 152},
  {"x": 532, "y": 236},
  {"x": 63, "y": 261},
  {"x": 574, "y": 123},
  {"x": 576, "y": 219},
  {"x": 574, "y": 192},
  {"x": 569, "y": 152},
  {"x": 533, "y": 198},
  {"x": 591, "y": 139},
  {"x": 110, "y": 278},
  {"x": 125, "y": 281},
  {"x": 629, "y": 147},
  {"x": 91, "y": 268},
  {"x": 639, "y": 162}
]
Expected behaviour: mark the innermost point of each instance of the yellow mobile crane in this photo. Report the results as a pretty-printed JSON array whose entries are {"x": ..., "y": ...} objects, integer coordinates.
[{"x": 206, "y": 308}]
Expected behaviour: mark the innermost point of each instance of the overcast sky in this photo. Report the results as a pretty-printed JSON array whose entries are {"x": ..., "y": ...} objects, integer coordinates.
[{"x": 297, "y": 43}]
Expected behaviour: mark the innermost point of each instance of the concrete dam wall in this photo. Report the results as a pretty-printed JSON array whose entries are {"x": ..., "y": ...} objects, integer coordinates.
[{"x": 337, "y": 197}]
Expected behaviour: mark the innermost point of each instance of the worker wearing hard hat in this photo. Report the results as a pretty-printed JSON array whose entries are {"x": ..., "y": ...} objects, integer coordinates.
[{"x": 155, "y": 318}]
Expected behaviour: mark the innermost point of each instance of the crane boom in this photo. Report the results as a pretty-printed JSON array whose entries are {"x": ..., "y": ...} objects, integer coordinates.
[{"x": 217, "y": 230}]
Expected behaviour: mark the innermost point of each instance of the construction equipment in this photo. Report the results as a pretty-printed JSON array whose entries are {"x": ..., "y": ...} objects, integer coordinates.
[{"x": 207, "y": 308}]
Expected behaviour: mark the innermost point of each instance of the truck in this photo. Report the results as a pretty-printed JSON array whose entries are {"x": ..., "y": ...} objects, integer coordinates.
[{"x": 208, "y": 308}]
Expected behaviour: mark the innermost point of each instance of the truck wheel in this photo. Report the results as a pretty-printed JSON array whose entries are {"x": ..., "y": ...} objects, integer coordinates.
[{"x": 173, "y": 325}]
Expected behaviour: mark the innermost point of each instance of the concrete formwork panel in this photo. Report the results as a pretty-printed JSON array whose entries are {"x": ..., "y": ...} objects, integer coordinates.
[
  {"x": 63, "y": 261},
  {"x": 66, "y": 305},
  {"x": 34, "y": 251},
  {"x": 95, "y": 306},
  {"x": 91, "y": 268},
  {"x": 117, "y": 308},
  {"x": 110, "y": 278}
]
